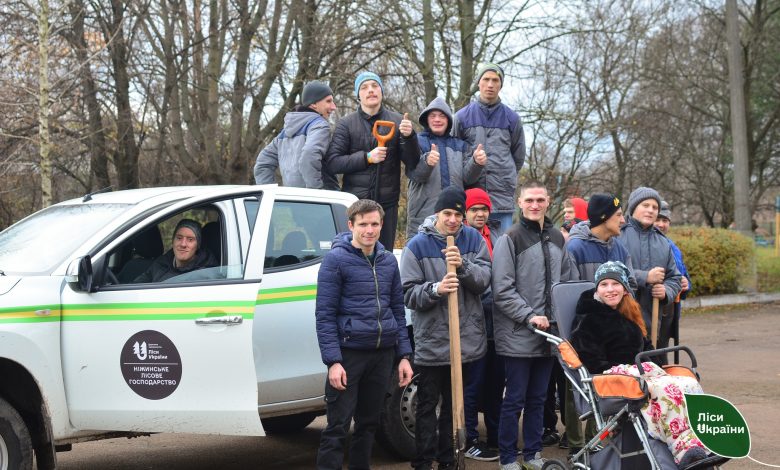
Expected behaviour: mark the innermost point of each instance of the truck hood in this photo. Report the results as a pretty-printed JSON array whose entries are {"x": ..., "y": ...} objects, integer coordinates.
[{"x": 7, "y": 283}]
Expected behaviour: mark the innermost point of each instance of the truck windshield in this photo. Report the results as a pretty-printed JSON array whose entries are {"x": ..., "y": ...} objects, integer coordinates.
[{"x": 42, "y": 241}]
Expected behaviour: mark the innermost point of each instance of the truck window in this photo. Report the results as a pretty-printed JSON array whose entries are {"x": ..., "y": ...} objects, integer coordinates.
[{"x": 299, "y": 232}]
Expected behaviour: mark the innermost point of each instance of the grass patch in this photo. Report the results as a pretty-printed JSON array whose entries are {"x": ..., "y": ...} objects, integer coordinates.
[{"x": 767, "y": 269}]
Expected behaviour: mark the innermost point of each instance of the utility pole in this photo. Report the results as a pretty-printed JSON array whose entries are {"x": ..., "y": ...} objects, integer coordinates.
[{"x": 742, "y": 213}]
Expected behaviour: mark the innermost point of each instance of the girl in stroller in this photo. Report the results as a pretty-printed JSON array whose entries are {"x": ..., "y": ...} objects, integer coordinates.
[{"x": 611, "y": 333}]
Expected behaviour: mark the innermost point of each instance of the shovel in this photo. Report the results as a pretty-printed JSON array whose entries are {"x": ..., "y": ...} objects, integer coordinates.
[
  {"x": 456, "y": 375},
  {"x": 382, "y": 139}
]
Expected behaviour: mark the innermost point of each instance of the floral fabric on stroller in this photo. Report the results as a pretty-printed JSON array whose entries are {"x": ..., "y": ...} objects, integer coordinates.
[{"x": 614, "y": 401}]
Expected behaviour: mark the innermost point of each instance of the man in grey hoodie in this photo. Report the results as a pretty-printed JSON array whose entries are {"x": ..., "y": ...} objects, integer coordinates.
[
  {"x": 444, "y": 161},
  {"x": 298, "y": 151}
]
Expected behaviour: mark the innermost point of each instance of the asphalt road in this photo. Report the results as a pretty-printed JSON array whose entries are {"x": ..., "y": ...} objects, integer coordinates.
[{"x": 739, "y": 359}]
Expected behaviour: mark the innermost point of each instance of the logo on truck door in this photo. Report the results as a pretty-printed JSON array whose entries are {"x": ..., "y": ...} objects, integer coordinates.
[{"x": 151, "y": 365}]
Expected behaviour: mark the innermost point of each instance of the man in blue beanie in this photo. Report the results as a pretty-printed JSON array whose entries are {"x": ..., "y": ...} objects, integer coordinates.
[
  {"x": 372, "y": 171},
  {"x": 299, "y": 150}
]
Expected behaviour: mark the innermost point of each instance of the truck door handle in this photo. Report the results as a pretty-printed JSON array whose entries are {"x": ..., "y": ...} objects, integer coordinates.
[{"x": 228, "y": 320}]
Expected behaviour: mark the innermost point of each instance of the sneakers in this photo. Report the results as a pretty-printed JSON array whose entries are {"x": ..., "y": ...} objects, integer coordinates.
[
  {"x": 481, "y": 451},
  {"x": 535, "y": 463},
  {"x": 563, "y": 443},
  {"x": 550, "y": 437},
  {"x": 512, "y": 466}
]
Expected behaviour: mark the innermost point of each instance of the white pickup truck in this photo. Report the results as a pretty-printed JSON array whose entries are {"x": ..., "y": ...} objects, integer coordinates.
[{"x": 88, "y": 352}]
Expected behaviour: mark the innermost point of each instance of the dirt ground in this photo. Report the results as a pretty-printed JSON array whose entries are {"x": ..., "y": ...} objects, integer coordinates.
[{"x": 736, "y": 348}]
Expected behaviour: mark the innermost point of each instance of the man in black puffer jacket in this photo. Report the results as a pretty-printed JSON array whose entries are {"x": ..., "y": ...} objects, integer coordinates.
[
  {"x": 370, "y": 171},
  {"x": 361, "y": 330}
]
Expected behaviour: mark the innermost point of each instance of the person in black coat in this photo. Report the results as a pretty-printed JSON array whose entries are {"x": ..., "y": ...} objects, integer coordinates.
[
  {"x": 611, "y": 333},
  {"x": 372, "y": 171}
]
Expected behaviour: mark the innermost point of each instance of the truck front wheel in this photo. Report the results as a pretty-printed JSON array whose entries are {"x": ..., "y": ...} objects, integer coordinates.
[
  {"x": 15, "y": 444},
  {"x": 396, "y": 431}
]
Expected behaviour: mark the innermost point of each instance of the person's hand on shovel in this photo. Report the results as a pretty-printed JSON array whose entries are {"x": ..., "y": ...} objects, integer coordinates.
[
  {"x": 480, "y": 156},
  {"x": 406, "y": 126},
  {"x": 433, "y": 156},
  {"x": 656, "y": 277},
  {"x": 377, "y": 155}
]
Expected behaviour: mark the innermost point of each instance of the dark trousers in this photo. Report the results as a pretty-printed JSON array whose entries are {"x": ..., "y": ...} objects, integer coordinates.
[
  {"x": 668, "y": 315},
  {"x": 433, "y": 437},
  {"x": 368, "y": 376},
  {"x": 526, "y": 389},
  {"x": 557, "y": 383},
  {"x": 485, "y": 387},
  {"x": 387, "y": 235}
]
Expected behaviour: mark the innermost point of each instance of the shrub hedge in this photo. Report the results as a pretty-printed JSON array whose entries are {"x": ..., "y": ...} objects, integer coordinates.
[{"x": 716, "y": 258}]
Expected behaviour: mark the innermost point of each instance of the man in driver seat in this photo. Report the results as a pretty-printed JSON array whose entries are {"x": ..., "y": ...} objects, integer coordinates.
[{"x": 186, "y": 254}]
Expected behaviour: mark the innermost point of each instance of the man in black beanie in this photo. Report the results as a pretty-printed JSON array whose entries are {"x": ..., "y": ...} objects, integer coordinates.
[
  {"x": 298, "y": 151},
  {"x": 426, "y": 285},
  {"x": 187, "y": 254},
  {"x": 592, "y": 243}
]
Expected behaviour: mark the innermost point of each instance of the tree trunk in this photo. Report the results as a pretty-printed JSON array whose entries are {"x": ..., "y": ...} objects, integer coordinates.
[
  {"x": 43, "y": 103},
  {"x": 127, "y": 151},
  {"x": 742, "y": 214}
]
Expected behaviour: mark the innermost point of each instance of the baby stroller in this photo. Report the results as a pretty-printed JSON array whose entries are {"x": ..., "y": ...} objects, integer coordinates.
[{"x": 613, "y": 401}]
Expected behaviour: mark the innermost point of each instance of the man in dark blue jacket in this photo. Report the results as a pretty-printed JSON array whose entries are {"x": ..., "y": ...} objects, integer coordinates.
[{"x": 361, "y": 330}]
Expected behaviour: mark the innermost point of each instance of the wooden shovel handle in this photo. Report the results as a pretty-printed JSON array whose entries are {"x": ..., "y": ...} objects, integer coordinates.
[{"x": 456, "y": 372}]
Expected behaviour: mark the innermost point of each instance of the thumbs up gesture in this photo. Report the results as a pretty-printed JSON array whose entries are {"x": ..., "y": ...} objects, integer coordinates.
[
  {"x": 433, "y": 156},
  {"x": 406, "y": 126},
  {"x": 480, "y": 156}
]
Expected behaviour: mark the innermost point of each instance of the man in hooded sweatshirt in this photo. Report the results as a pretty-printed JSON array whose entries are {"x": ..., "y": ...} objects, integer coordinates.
[
  {"x": 498, "y": 128},
  {"x": 427, "y": 285},
  {"x": 653, "y": 262},
  {"x": 299, "y": 150},
  {"x": 444, "y": 161},
  {"x": 372, "y": 171}
]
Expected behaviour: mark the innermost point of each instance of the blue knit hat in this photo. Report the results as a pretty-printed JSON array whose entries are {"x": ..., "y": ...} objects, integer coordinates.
[
  {"x": 367, "y": 76},
  {"x": 614, "y": 270}
]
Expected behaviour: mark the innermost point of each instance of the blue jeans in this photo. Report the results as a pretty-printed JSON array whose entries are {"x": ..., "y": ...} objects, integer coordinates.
[
  {"x": 504, "y": 217},
  {"x": 486, "y": 387},
  {"x": 526, "y": 390}
]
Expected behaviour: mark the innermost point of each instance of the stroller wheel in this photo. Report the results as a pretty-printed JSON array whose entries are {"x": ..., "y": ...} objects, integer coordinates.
[{"x": 553, "y": 464}]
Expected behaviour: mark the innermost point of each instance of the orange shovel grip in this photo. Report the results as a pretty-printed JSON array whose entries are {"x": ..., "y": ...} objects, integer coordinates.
[{"x": 382, "y": 139}]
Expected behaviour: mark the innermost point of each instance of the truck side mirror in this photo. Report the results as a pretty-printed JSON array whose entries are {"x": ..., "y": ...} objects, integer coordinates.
[{"x": 79, "y": 274}]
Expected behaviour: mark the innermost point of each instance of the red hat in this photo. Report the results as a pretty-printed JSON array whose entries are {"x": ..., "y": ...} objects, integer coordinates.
[
  {"x": 580, "y": 208},
  {"x": 476, "y": 196}
]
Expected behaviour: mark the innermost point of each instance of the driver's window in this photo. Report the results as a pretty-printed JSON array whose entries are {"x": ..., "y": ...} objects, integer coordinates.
[{"x": 190, "y": 246}]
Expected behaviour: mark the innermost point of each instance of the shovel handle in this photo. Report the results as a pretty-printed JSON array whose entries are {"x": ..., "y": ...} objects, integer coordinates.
[
  {"x": 654, "y": 323},
  {"x": 383, "y": 138}
]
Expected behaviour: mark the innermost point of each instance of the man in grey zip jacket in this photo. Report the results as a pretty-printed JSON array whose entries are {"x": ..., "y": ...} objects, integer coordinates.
[
  {"x": 426, "y": 286},
  {"x": 444, "y": 161},
  {"x": 498, "y": 128},
  {"x": 299, "y": 150},
  {"x": 653, "y": 261},
  {"x": 527, "y": 261}
]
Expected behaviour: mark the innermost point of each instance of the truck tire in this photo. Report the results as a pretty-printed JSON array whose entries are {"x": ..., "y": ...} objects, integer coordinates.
[
  {"x": 396, "y": 431},
  {"x": 287, "y": 424},
  {"x": 16, "y": 450}
]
